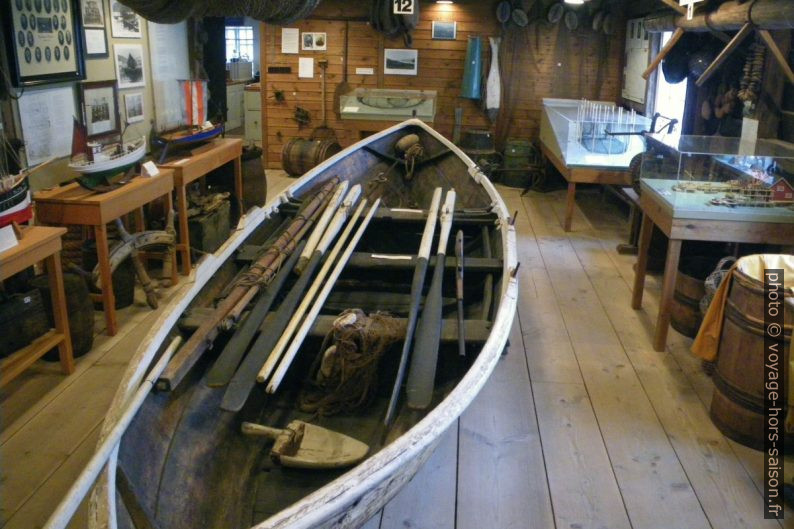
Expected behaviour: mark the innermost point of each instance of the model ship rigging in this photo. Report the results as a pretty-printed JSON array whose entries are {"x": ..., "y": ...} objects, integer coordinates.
[
  {"x": 103, "y": 166},
  {"x": 194, "y": 128}
]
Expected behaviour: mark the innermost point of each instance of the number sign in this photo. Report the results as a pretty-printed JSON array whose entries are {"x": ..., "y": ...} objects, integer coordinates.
[{"x": 403, "y": 7}]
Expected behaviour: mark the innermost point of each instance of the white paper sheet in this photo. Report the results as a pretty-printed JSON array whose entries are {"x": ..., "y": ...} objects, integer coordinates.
[
  {"x": 47, "y": 116},
  {"x": 8, "y": 238},
  {"x": 306, "y": 67},
  {"x": 95, "y": 41},
  {"x": 290, "y": 40}
]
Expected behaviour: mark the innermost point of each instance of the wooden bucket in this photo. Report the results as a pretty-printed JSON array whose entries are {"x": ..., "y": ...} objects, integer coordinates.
[
  {"x": 737, "y": 407},
  {"x": 299, "y": 155}
]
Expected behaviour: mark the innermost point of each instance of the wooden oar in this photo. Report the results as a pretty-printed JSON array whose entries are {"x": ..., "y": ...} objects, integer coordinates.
[
  {"x": 459, "y": 291},
  {"x": 322, "y": 224},
  {"x": 301, "y": 333},
  {"x": 422, "y": 373},
  {"x": 417, "y": 283},
  {"x": 262, "y": 273},
  {"x": 226, "y": 364},
  {"x": 270, "y": 331},
  {"x": 278, "y": 349}
]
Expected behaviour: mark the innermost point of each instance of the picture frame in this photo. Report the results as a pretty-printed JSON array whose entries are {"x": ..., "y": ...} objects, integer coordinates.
[
  {"x": 130, "y": 65},
  {"x": 124, "y": 22},
  {"x": 442, "y": 30},
  {"x": 133, "y": 107},
  {"x": 314, "y": 41},
  {"x": 93, "y": 13},
  {"x": 95, "y": 43},
  {"x": 400, "y": 61},
  {"x": 99, "y": 101},
  {"x": 41, "y": 42}
]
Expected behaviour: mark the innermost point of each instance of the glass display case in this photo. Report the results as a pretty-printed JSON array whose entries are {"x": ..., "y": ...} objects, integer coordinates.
[
  {"x": 388, "y": 104},
  {"x": 586, "y": 133},
  {"x": 720, "y": 178}
]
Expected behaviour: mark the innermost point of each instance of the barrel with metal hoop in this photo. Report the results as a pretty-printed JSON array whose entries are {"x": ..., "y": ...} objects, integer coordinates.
[
  {"x": 737, "y": 407},
  {"x": 299, "y": 154}
]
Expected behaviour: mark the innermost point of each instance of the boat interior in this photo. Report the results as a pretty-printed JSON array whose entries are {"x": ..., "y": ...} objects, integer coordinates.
[{"x": 184, "y": 463}]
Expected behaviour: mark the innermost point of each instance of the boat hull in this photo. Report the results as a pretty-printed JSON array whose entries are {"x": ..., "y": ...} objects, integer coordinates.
[{"x": 352, "y": 498}]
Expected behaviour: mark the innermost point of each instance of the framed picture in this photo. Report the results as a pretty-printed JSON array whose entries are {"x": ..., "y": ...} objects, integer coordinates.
[
  {"x": 444, "y": 30},
  {"x": 100, "y": 108},
  {"x": 129, "y": 65},
  {"x": 93, "y": 13},
  {"x": 400, "y": 61},
  {"x": 133, "y": 107},
  {"x": 96, "y": 43},
  {"x": 42, "y": 43},
  {"x": 314, "y": 41},
  {"x": 124, "y": 22}
]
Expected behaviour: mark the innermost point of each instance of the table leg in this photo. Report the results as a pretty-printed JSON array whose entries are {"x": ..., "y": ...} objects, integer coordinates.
[
  {"x": 169, "y": 207},
  {"x": 668, "y": 286},
  {"x": 140, "y": 225},
  {"x": 569, "y": 204},
  {"x": 106, "y": 278},
  {"x": 238, "y": 182},
  {"x": 59, "y": 311},
  {"x": 642, "y": 262},
  {"x": 184, "y": 234}
]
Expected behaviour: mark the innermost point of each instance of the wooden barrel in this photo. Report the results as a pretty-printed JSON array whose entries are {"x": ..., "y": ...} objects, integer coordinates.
[
  {"x": 299, "y": 155},
  {"x": 737, "y": 407},
  {"x": 685, "y": 316}
]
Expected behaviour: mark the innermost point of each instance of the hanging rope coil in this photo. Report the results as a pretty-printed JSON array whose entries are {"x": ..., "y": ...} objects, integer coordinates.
[{"x": 344, "y": 375}]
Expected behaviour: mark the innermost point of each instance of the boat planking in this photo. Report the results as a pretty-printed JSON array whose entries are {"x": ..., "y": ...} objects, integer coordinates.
[{"x": 200, "y": 470}]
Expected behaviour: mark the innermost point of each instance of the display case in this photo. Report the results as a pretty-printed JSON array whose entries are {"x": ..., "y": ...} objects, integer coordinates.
[
  {"x": 388, "y": 104},
  {"x": 720, "y": 178},
  {"x": 595, "y": 134}
]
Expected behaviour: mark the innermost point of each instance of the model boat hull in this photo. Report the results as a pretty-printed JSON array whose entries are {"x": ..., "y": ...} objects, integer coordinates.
[{"x": 200, "y": 471}]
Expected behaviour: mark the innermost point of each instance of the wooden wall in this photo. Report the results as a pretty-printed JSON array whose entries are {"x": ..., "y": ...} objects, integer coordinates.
[{"x": 549, "y": 61}]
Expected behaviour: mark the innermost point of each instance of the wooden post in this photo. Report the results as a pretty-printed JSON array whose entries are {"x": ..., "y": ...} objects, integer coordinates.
[
  {"x": 646, "y": 231},
  {"x": 106, "y": 278},
  {"x": 668, "y": 286},
  {"x": 59, "y": 312}
]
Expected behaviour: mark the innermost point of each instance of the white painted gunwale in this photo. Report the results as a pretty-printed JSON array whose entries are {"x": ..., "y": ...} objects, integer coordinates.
[{"x": 344, "y": 502}]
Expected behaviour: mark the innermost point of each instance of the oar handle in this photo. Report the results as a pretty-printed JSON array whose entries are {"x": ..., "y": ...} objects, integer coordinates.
[
  {"x": 339, "y": 218},
  {"x": 459, "y": 263},
  {"x": 447, "y": 210},
  {"x": 251, "y": 428},
  {"x": 320, "y": 226},
  {"x": 430, "y": 225}
]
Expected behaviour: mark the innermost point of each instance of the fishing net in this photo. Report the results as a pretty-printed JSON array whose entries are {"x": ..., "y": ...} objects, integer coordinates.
[
  {"x": 271, "y": 11},
  {"x": 344, "y": 375}
]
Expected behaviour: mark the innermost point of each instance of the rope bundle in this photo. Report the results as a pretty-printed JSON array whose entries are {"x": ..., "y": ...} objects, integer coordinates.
[{"x": 344, "y": 375}]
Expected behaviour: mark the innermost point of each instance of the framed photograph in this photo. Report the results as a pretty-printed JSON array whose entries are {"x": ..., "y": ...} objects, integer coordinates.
[
  {"x": 129, "y": 65},
  {"x": 124, "y": 22},
  {"x": 42, "y": 42},
  {"x": 96, "y": 43},
  {"x": 400, "y": 61},
  {"x": 133, "y": 107},
  {"x": 314, "y": 41},
  {"x": 444, "y": 30},
  {"x": 100, "y": 108},
  {"x": 93, "y": 13}
]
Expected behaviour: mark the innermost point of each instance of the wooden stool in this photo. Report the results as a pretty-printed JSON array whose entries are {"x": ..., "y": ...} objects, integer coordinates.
[
  {"x": 39, "y": 244},
  {"x": 197, "y": 165},
  {"x": 72, "y": 204}
]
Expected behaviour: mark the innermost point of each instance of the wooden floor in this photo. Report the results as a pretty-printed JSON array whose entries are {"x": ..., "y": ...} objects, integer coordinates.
[{"x": 582, "y": 424}]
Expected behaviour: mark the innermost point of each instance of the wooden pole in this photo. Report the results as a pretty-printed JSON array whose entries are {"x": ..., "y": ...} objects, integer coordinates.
[
  {"x": 777, "y": 54},
  {"x": 328, "y": 285},
  {"x": 663, "y": 53},
  {"x": 422, "y": 373},
  {"x": 317, "y": 234},
  {"x": 459, "y": 291},
  {"x": 275, "y": 354},
  {"x": 729, "y": 16},
  {"x": 725, "y": 53},
  {"x": 416, "y": 295}
]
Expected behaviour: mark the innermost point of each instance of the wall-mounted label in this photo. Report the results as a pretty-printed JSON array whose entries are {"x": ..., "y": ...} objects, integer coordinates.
[
  {"x": 365, "y": 71},
  {"x": 403, "y": 7}
]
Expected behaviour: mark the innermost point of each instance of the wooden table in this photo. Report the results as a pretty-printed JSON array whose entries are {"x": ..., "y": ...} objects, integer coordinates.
[
  {"x": 188, "y": 169},
  {"x": 679, "y": 230},
  {"x": 39, "y": 243},
  {"x": 582, "y": 175},
  {"x": 72, "y": 204}
]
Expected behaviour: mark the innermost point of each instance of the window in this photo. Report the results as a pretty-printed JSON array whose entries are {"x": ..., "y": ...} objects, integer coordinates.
[
  {"x": 670, "y": 98},
  {"x": 239, "y": 43}
]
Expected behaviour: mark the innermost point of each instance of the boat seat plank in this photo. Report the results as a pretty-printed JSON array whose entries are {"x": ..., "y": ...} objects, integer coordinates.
[{"x": 478, "y": 217}]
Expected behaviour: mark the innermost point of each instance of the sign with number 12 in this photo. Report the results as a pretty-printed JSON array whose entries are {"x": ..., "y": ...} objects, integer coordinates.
[{"x": 403, "y": 7}]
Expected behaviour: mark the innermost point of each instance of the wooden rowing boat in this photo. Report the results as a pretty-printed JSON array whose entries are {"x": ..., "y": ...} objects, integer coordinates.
[{"x": 176, "y": 459}]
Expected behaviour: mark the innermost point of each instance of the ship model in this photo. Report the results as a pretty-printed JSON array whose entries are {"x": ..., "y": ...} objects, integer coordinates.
[
  {"x": 103, "y": 166},
  {"x": 15, "y": 202},
  {"x": 195, "y": 128}
]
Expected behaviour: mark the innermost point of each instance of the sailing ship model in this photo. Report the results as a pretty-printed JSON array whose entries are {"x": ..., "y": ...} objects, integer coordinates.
[
  {"x": 195, "y": 128},
  {"x": 15, "y": 202},
  {"x": 103, "y": 165}
]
